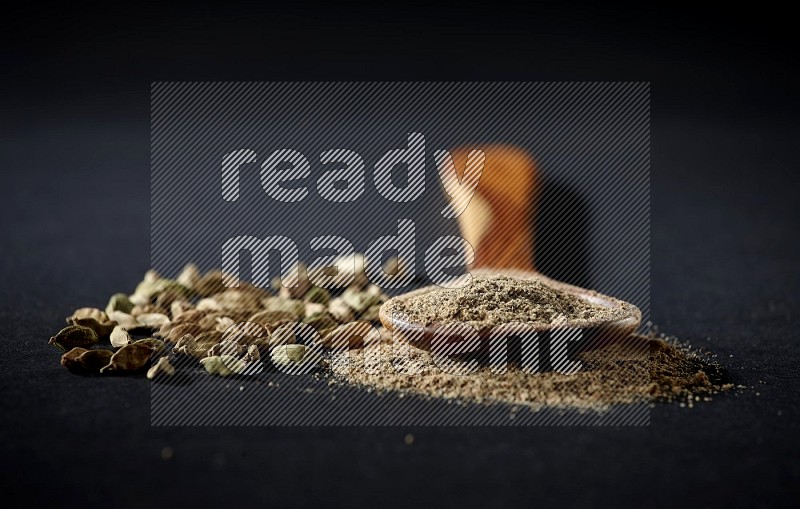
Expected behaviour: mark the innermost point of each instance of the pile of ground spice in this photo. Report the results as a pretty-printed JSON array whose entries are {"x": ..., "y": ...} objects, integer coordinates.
[
  {"x": 489, "y": 301},
  {"x": 643, "y": 369}
]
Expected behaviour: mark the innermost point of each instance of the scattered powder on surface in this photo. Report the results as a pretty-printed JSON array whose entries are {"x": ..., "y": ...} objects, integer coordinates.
[
  {"x": 489, "y": 301},
  {"x": 642, "y": 369}
]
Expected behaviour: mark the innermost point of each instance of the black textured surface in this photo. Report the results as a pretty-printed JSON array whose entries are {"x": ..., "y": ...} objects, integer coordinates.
[{"x": 75, "y": 223}]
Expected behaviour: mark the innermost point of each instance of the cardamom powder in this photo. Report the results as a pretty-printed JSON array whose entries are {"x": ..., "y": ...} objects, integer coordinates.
[{"x": 487, "y": 301}]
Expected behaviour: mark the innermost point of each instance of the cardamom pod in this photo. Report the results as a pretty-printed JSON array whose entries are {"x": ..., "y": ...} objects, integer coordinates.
[
  {"x": 69, "y": 359},
  {"x": 186, "y": 345},
  {"x": 142, "y": 309},
  {"x": 351, "y": 335},
  {"x": 119, "y": 302},
  {"x": 74, "y": 335},
  {"x": 321, "y": 321},
  {"x": 296, "y": 308},
  {"x": 155, "y": 344},
  {"x": 124, "y": 320},
  {"x": 97, "y": 314},
  {"x": 246, "y": 333},
  {"x": 103, "y": 330},
  {"x": 253, "y": 354},
  {"x": 313, "y": 308},
  {"x": 161, "y": 368},
  {"x": 189, "y": 316},
  {"x": 172, "y": 332},
  {"x": 215, "y": 365},
  {"x": 179, "y": 307},
  {"x": 189, "y": 276},
  {"x": 361, "y": 300},
  {"x": 119, "y": 337},
  {"x": 371, "y": 313},
  {"x": 152, "y": 320},
  {"x": 93, "y": 361},
  {"x": 129, "y": 359},
  {"x": 339, "y": 309},
  {"x": 208, "y": 304},
  {"x": 317, "y": 296},
  {"x": 212, "y": 282},
  {"x": 297, "y": 358},
  {"x": 270, "y": 317},
  {"x": 223, "y": 323},
  {"x": 82, "y": 360}
]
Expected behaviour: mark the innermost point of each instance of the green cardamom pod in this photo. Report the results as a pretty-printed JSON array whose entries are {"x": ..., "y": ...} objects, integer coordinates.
[
  {"x": 321, "y": 321},
  {"x": 81, "y": 360},
  {"x": 70, "y": 359},
  {"x": 294, "y": 356},
  {"x": 119, "y": 302},
  {"x": 92, "y": 361},
  {"x": 129, "y": 359},
  {"x": 318, "y": 295},
  {"x": 156, "y": 344},
  {"x": 161, "y": 368},
  {"x": 74, "y": 335},
  {"x": 217, "y": 365},
  {"x": 102, "y": 329}
]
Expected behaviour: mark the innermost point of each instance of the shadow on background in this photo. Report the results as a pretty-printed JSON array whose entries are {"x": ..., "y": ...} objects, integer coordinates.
[{"x": 561, "y": 233}]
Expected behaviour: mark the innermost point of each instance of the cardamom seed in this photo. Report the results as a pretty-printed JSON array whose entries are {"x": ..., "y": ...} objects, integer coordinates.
[
  {"x": 74, "y": 335},
  {"x": 119, "y": 337}
]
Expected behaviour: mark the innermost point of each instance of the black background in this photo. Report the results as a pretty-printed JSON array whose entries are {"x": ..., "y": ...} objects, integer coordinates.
[{"x": 75, "y": 218}]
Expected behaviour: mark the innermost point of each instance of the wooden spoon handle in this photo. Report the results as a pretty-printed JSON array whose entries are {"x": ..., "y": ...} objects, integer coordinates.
[{"x": 498, "y": 222}]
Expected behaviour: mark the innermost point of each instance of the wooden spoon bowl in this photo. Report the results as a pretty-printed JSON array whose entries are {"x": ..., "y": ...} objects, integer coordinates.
[{"x": 595, "y": 332}]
